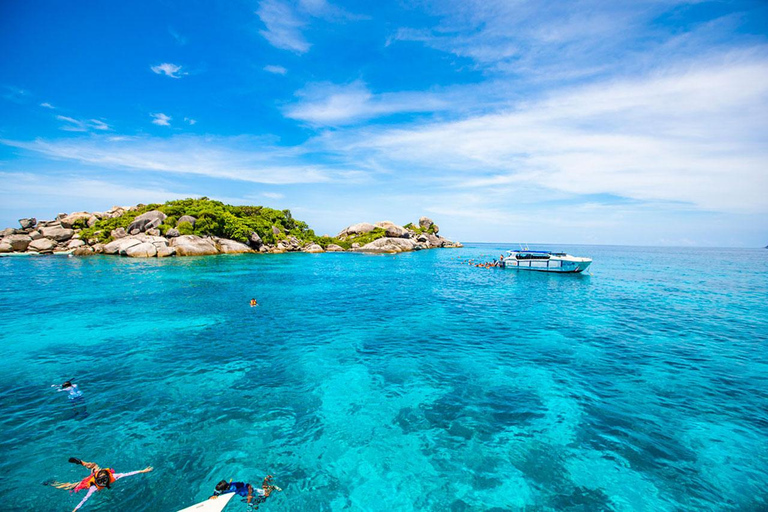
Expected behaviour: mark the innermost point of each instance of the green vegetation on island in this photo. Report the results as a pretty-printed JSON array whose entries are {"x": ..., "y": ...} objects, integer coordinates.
[{"x": 213, "y": 218}]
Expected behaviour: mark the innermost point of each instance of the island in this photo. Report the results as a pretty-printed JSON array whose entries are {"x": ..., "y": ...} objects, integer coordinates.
[{"x": 200, "y": 227}]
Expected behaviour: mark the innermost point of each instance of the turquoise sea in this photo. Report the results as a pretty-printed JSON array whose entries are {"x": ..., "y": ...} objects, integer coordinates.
[{"x": 407, "y": 382}]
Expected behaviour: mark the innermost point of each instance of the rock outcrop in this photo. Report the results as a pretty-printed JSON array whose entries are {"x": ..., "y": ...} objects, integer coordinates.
[
  {"x": 142, "y": 238},
  {"x": 19, "y": 243},
  {"x": 42, "y": 246},
  {"x": 186, "y": 218},
  {"x": 193, "y": 245},
  {"x": 58, "y": 233},
  {"x": 146, "y": 221},
  {"x": 393, "y": 230},
  {"x": 69, "y": 221},
  {"x": 389, "y": 245},
  {"x": 313, "y": 248},
  {"x": 356, "y": 229},
  {"x": 28, "y": 223},
  {"x": 227, "y": 246},
  {"x": 142, "y": 250}
]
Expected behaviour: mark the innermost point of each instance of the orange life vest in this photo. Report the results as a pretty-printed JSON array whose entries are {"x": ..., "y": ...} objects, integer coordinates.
[{"x": 90, "y": 480}]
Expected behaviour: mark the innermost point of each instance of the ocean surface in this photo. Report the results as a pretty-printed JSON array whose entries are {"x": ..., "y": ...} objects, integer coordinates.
[{"x": 407, "y": 382}]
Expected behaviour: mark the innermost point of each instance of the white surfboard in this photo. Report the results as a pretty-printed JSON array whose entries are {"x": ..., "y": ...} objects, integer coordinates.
[{"x": 214, "y": 505}]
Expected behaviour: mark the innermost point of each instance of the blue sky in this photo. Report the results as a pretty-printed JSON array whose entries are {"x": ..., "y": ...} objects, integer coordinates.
[{"x": 640, "y": 123}]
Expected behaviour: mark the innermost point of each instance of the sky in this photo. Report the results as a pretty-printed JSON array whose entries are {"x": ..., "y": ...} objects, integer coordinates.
[{"x": 642, "y": 122}]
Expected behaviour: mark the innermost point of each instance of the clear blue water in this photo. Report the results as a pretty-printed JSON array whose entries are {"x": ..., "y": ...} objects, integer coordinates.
[{"x": 408, "y": 382}]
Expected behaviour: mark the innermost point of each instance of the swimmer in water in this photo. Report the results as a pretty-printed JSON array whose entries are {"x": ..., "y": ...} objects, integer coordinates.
[
  {"x": 254, "y": 303},
  {"x": 253, "y": 496},
  {"x": 99, "y": 479},
  {"x": 72, "y": 390}
]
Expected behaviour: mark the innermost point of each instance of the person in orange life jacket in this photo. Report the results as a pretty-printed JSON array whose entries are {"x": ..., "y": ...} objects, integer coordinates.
[{"x": 99, "y": 479}]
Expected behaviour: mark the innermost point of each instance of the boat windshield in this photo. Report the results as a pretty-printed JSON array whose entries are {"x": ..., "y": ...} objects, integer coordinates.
[{"x": 532, "y": 255}]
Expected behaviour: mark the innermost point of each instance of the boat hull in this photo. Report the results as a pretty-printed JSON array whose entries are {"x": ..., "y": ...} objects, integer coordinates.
[{"x": 557, "y": 266}]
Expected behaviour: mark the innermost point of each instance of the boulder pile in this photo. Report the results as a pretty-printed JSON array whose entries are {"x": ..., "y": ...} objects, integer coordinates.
[
  {"x": 142, "y": 238},
  {"x": 398, "y": 238}
]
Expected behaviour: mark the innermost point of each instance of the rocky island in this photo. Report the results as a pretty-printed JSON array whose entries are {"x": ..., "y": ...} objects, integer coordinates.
[{"x": 198, "y": 227}]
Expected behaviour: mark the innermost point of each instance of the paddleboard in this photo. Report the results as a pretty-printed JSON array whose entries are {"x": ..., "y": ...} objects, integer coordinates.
[{"x": 214, "y": 505}]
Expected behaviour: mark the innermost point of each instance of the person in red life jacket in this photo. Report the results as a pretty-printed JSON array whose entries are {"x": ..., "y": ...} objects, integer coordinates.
[
  {"x": 247, "y": 491},
  {"x": 99, "y": 479}
]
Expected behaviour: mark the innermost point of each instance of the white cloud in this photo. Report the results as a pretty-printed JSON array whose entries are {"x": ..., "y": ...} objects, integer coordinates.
[
  {"x": 283, "y": 27},
  {"x": 161, "y": 119},
  {"x": 80, "y": 125},
  {"x": 240, "y": 158},
  {"x": 273, "y": 195},
  {"x": 559, "y": 39},
  {"x": 277, "y": 70},
  {"x": 72, "y": 125},
  {"x": 695, "y": 135},
  {"x": 190, "y": 121},
  {"x": 330, "y": 104},
  {"x": 168, "y": 69},
  {"x": 99, "y": 125},
  {"x": 47, "y": 105}
]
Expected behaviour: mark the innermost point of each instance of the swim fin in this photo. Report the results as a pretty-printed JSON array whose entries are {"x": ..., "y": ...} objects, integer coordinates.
[{"x": 75, "y": 461}]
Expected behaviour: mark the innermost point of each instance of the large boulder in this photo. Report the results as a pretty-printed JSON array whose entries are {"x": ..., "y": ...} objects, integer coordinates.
[
  {"x": 388, "y": 244},
  {"x": 313, "y": 248},
  {"x": 164, "y": 251},
  {"x": 255, "y": 240},
  {"x": 334, "y": 248},
  {"x": 28, "y": 223},
  {"x": 356, "y": 229},
  {"x": 35, "y": 235},
  {"x": 118, "y": 233},
  {"x": 120, "y": 245},
  {"x": 193, "y": 245},
  {"x": 425, "y": 223},
  {"x": 434, "y": 240},
  {"x": 7, "y": 232},
  {"x": 393, "y": 230},
  {"x": 42, "y": 245},
  {"x": 58, "y": 233},
  {"x": 172, "y": 233},
  {"x": 186, "y": 218},
  {"x": 74, "y": 244},
  {"x": 227, "y": 246},
  {"x": 83, "y": 251},
  {"x": 115, "y": 211},
  {"x": 70, "y": 220},
  {"x": 19, "y": 243},
  {"x": 142, "y": 250},
  {"x": 146, "y": 221},
  {"x": 5, "y": 247}
]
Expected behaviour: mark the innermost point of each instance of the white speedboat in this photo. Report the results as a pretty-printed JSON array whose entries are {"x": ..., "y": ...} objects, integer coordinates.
[{"x": 545, "y": 261}]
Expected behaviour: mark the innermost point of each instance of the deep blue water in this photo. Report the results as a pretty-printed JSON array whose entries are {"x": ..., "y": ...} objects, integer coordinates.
[{"x": 408, "y": 382}]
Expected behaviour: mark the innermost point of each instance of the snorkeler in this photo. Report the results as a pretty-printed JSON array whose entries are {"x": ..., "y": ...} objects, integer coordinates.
[
  {"x": 247, "y": 491},
  {"x": 254, "y": 303},
  {"x": 99, "y": 479},
  {"x": 71, "y": 389}
]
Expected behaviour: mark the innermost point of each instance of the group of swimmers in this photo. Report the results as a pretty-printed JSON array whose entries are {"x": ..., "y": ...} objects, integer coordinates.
[
  {"x": 102, "y": 478},
  {"x": 486, "y": 264}
]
